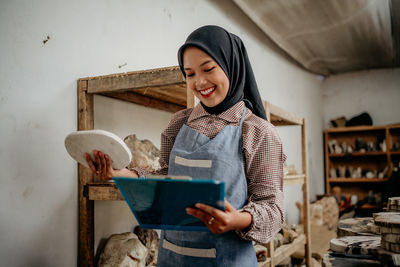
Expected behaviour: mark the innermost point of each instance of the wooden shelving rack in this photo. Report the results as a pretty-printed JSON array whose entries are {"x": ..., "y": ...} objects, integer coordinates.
[
  {"x": 163, "y": 89},
  {"x": 279, "y": 117},
  {"x": 372, "y": 160}
]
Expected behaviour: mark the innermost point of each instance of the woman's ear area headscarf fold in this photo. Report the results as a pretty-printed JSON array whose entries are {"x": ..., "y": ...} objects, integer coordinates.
[{"x": 230, "y": 53}]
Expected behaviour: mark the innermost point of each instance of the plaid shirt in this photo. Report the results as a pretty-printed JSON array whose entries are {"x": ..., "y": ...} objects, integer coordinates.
[{"x": 263, "y": 163}]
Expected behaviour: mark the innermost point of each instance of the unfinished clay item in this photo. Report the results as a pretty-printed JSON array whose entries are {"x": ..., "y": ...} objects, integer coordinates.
[
  {"x": 385, "y": 214},
  {"x": 388, "y": 220},
  {"x": 330, "y": 212},
  {"x": 289, "y": 235},
  {"x": 355, "y": 226},
  {"x": 145, "y": 153},
  {"x": 393, "y": 247},
  {"x": 342, "y": 171},
  {"x": 330, "y": 260},
  {"x": 389, "y": 230},
  {"x": 391, "y": 238},
  {"x": 388, "y": 258},
  {"x": 356, "y": 245},
  {"x": 393, "y": 204},
  {"x": 261, "y": 252},
  {"x": 81, "y": 142},
  {"x": 150, "y": 239},
  {"x": 123, "y": 250},
  {"x": 278, "y": 240},
  {"x": 332, "y": 173}
]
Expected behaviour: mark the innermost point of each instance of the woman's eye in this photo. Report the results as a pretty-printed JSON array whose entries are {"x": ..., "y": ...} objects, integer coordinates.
[
  {"x": 189, "y": 74},
  {"x": 210, "y": 69}
]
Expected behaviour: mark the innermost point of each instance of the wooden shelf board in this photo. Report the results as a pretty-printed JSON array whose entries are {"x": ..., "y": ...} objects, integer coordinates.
[
  {"x": 357, "y": 180},
  {"x": 162, "y": 88},
  {"x": 135, "y": 80},
  {"x": 395, "y": 153},
  {"x": 108, "y": 190},
  {"x": 368, "y": 206},
  {"x": 285, "y": 251},
  {"x": 103, "y": 191},
  {"x": 281, "y": 117},
  {"x": 358, "y": 154},
  {"x": 355, "y": 129},
  {"x": 294, "y": 179},
  {"x": 395, "y": 126}
]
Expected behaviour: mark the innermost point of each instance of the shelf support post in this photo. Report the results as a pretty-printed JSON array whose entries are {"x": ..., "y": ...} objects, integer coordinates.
[
  {"x": 85, "y": 176},
  {"x": 306, "y": 196}
]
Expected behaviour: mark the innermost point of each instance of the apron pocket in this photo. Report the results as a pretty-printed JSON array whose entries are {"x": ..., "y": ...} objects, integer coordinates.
[
  {"x": 192, "y": 252},
  {"x": 199, "y": 163}
]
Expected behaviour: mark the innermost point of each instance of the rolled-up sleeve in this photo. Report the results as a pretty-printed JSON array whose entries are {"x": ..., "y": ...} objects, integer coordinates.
[{"x": 264, "y": 159}]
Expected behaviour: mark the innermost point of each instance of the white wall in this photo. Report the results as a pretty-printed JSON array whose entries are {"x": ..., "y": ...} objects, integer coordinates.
[
  {"x": 38, "y": 185},
  {"x": 374, "y": 91}
]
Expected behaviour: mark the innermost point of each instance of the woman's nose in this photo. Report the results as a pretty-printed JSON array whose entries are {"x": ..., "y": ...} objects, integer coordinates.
[{"x": 200, "y": 81}]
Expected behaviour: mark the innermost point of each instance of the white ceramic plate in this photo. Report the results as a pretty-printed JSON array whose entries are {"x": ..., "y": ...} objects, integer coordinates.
[{"x": 80, "y": 142}]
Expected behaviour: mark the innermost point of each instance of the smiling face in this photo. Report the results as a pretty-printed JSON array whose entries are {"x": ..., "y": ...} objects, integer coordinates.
[{"x": 205, "y": 77}]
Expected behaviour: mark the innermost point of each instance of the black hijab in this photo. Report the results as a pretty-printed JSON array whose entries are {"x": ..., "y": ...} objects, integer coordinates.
[{"x": 229, "y": 52}]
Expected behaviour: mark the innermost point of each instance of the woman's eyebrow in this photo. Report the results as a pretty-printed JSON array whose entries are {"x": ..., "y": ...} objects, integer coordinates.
[{"x": 205, "y": 62}]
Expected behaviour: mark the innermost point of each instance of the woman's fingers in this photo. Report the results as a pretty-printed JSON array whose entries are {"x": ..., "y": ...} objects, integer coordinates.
[
  {"x": 98, "y": 162},
  {"x": 90, "y": 162},
  {"x": 229, "y": 207},
  {"x": 103, "y": 164},
  {"x": 210, "y": 210},
  {"x": 109, "y": 166}
]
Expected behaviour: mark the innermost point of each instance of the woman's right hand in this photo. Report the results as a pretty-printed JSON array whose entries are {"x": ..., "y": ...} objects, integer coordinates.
[{"x": 102, "y": 167}]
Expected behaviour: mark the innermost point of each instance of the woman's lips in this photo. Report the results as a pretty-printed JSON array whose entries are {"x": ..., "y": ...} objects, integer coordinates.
[{"x": 207, "y": 92}]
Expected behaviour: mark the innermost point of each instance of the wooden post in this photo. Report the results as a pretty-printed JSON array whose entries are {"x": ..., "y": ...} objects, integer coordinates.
[
  {"x": 191, "y": 100},
  {"x": 86, "y": 207},
  {"x": 271, "y": 251},
  {"x": 389, "y": 144},
  {"x": 327, "y": 164},
  {"x": 306, "y": 197},
  {"x": 267, "y": 108}
]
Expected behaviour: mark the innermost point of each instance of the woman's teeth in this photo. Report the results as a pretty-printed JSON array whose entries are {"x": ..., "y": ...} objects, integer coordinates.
[{"x": 207, "y": 91}]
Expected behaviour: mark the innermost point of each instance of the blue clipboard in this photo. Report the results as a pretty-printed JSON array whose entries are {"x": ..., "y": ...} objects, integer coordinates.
[{"x": 160, "y": 203}]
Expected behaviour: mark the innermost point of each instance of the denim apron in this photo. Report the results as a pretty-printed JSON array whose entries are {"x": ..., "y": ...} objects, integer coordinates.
[{"x": 220, "y": 158}]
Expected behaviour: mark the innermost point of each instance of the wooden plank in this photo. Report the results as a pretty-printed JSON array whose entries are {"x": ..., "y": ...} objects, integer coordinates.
[
  {"x": 135, "y": 80},
  {"x": 103, "y": 191},
  {"x": 355, "y": 129},
  {"x": 286, "y": 250},
  {"x": 267, "y": 110},
  {"x": 271, "y": 252},
  {"x": 145, "y": 101},
  {"x": 190, "y": 99},
  {"x": 282, "y": 117},
  {"x": 175, "y": 94},
  {"x": 293, "y": 179},
  {"x": 306, "y": 196},
  {"x": 358, "y": 154},
  {"x": 357, "y": 180},
  {"x": 327, "y": 163},
  {"x": 86, "y": 208}
]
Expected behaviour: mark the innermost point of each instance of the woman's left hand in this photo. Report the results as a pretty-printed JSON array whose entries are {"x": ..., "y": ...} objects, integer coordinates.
[{"x": 219, "y": 221}]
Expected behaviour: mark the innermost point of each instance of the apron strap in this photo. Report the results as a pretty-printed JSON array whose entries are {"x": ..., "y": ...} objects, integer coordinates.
[{"x": 242, "y": 118}]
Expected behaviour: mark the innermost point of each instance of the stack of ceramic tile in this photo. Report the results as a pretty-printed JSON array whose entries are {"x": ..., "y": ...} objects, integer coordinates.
[
  {"x": 389, "y": 223},
  {"x": 393, "y": 204},
  {"x": 389, "y": 227},
  {"x": 357, "y": 226}
]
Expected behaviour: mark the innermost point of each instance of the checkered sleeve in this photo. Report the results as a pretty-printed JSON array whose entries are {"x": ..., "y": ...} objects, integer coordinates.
[{"x": 264, "y": 159}]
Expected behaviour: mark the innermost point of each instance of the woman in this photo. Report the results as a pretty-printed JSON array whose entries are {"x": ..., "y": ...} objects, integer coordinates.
[{"x": 229, "y": 130}]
